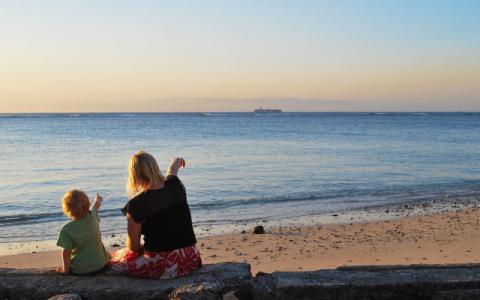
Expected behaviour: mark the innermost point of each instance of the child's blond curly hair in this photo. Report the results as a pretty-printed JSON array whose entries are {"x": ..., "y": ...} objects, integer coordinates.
[{"x": 75, "y": 204}]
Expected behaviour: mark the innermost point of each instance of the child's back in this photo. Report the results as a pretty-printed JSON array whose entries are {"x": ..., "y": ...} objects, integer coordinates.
[{"x": 81, "y": 237}]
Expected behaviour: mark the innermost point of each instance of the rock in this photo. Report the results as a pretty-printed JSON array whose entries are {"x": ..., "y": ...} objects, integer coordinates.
[
  {"x": 473, "y": 294},
  {"x": 196, "y": 291},
  {"x": 230, "y": 296},
  {"x": 258, "y": 230},
  {"x": 213, "y": 290},
  {"x": 239, "y": 294},
  {"x": 66, "y": 297},
  {"x": 211, "y": 281},
  {"x": 232, "y": 281},
  {"x": 371, "y": 282}
]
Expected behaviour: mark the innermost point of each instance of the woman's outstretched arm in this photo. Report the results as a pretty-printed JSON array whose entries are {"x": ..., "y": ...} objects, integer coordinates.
[
  {"x": 175, "y": 164},
  {"x": 134, "y": 230}
]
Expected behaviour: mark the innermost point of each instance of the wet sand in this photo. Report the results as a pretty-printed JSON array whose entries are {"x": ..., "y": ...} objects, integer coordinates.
[{"x": 435, "y": 238}]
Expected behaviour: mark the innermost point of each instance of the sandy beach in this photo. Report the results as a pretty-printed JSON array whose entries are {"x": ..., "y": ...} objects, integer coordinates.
[{"x": 436, "y": 238}]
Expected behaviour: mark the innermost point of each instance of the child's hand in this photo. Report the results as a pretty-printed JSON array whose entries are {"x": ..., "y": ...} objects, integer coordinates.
[{"x": 98, "y": 202}]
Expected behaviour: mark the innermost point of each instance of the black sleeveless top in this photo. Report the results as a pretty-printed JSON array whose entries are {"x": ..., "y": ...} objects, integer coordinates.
[{"x": 164, "y": 215}]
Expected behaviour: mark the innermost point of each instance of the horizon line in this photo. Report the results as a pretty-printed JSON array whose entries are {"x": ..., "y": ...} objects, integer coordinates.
[{"x": 232, "y": 112}]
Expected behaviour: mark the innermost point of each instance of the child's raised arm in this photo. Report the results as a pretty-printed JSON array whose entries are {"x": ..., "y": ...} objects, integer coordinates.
[{"x": 98, "y": 202}]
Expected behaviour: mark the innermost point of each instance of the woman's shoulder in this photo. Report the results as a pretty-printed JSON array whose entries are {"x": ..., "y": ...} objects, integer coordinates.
[
  {"x": 172, "y": 179},
  {"x": 134, "y": 203},
  {"x": 153, "y": 201}
]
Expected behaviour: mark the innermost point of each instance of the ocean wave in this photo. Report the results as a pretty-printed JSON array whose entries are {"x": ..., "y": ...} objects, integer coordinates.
[
  {"x": 42, "y": 115},
  {"x": 395, "y": 113},
  {"x": 419, "y": 192},
  {"x": 19, "y": 116},
  {"x": 36, "y": 218},
  {"x": 395, "y": 194}
]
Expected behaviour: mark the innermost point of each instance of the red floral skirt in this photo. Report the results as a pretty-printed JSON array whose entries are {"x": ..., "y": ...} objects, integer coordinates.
[{"x": 156, "y": 265}]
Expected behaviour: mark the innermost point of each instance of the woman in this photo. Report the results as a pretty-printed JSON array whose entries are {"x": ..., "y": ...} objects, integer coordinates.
[{"x": 159, "y": 210}]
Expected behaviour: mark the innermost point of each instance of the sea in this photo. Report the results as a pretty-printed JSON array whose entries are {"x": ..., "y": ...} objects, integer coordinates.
[{"x": 240, "y": 167}]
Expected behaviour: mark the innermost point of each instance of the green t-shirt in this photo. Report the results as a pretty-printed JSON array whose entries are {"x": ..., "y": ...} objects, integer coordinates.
[{"x": 84, "y": 238}]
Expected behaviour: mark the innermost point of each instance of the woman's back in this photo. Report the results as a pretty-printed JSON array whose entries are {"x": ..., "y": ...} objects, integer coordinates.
[{"x": 165, "y": 216}]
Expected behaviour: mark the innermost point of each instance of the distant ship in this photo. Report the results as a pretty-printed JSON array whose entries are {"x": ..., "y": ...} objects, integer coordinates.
[{"x": 267, "y": 111}]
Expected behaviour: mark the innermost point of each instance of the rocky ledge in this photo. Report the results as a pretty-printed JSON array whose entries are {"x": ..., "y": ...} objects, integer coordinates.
[
  {"x": 209, "y": 282},
  {"x": 234, "y": 281}
]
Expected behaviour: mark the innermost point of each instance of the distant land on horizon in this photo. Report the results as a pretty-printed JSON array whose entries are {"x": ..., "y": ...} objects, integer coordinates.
[{"x": 225, "y": 104}]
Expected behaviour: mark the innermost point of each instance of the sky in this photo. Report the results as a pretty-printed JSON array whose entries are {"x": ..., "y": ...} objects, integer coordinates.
[{"x": 180, "y": 56}]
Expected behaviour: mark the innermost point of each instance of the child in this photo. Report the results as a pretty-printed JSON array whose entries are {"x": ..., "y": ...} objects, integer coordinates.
[{"x": 83, "y": 250}]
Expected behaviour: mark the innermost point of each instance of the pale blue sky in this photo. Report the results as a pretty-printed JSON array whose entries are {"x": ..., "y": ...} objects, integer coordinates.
[{"x": 237, "y": 55}]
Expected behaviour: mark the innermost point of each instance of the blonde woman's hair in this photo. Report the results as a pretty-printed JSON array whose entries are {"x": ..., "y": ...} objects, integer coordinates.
[
  {"x": 75, "y": 204},
  {"x": 143, "y": 171}
]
